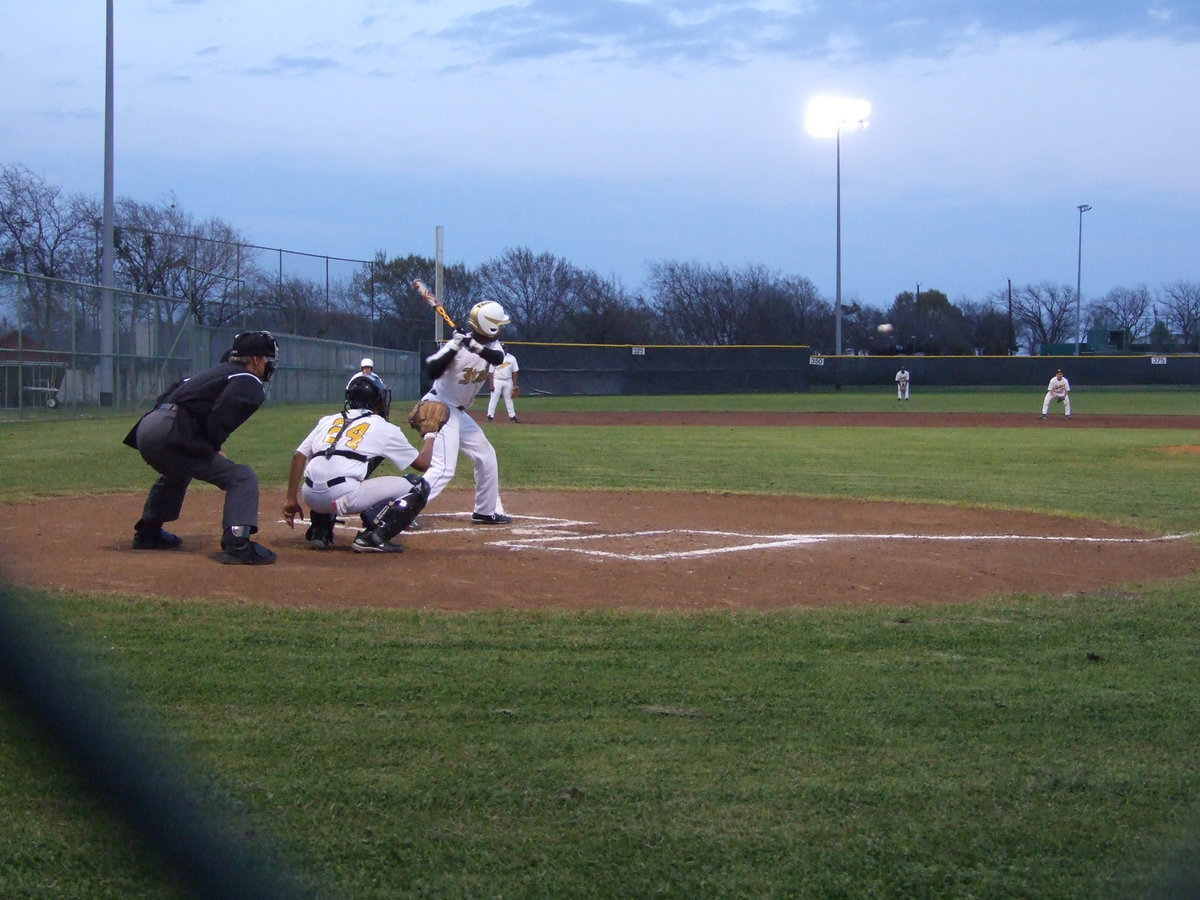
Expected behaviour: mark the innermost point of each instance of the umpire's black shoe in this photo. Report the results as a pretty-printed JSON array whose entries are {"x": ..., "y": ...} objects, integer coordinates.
[
  {"x": 240, "y": 550},
  {"x": 493, "y": 519},
  {"x": 154, "y": 538}
]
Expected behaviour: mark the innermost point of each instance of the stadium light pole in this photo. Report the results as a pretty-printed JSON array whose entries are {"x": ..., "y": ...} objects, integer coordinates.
[
  {"x": 828, "y": 117},
  {"x": 1083, "y": 207}
]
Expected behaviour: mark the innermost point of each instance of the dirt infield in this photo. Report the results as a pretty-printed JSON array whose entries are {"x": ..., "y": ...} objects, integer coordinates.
[{"x": 586, "y": 550}]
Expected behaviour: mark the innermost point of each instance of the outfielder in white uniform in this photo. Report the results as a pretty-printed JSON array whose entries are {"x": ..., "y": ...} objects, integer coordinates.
[
  {"x": 459, "y": 369},
  {"x": 1058, "y": 389},
  {"x": 902, "y": 379},
  {"x": 503, "y": 382},
  {"x": 334, "y": 461}
]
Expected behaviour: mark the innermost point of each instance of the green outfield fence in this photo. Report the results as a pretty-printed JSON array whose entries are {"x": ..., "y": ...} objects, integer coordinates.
[{"x": 50, "y": 350}]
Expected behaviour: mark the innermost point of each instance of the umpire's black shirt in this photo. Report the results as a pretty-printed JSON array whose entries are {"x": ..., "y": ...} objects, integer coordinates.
[{"x": 214, "y": 402}]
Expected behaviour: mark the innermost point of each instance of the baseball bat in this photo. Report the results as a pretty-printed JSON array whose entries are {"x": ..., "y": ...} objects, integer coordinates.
[{"x": 432, "y": 300}]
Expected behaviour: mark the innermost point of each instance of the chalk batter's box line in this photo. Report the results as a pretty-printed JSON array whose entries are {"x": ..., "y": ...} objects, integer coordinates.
[{"x": 573, "y": 543}]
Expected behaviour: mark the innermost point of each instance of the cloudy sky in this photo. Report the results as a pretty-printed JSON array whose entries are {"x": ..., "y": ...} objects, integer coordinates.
[{"x": 617, "y": 133}]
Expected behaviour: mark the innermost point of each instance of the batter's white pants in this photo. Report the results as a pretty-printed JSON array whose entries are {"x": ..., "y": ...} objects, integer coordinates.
[
  {"x": 462, "y": 434},
  {"x": 502, "y": 389},
  {"x": 1050, "y": 397}
]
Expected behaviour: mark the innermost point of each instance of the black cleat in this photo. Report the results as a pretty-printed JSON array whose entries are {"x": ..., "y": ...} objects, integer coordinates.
[
  {"x": 493, "y": 519},
  {"x": 370, "y": 542}
]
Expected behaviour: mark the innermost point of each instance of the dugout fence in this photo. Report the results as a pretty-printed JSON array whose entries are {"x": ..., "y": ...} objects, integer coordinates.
[{"x": 51, "y": 359}]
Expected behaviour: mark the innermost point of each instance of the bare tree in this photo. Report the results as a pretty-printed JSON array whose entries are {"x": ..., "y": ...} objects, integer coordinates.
[
  {"x": 605, "y": 314},
  {"x": 1127, "y": 310},
  {"x": 404, "y": 319},
  {"x": 163, "y": 250},
  {"x": 43, "y": 233},
  {"x": 1046, "y": 313},
  {"x": 1181, "y": 310},
  {"x": 537, "y": 291}
]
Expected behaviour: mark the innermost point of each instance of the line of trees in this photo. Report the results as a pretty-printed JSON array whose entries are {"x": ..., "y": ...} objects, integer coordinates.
[{"x": 163, "y": 251}]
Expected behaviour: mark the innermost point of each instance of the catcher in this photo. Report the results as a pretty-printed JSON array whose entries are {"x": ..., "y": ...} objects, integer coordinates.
[
  {"x": 336, "y": 458},
  {"x": 1059, "y": 390},
  {"x": 503, "y": 383}
]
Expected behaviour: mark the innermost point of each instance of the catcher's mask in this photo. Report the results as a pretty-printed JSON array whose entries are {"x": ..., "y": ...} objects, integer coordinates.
[
  {"x": 368, "y": 392},
  {"x": 487, "y": 317},
  {"x": 249, "y": 344}
]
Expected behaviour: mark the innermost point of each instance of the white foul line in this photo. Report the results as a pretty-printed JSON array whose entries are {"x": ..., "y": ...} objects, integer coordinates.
[{"x": 572, "y": 543}]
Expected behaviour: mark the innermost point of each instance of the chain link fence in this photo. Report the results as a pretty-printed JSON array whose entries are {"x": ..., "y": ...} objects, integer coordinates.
[{"x": 51, "y": 350}]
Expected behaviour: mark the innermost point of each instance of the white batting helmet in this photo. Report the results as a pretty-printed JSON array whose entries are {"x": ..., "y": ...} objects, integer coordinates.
[
  {"x": 367, "y": 361},
  {"x": 487, "y": 317}
]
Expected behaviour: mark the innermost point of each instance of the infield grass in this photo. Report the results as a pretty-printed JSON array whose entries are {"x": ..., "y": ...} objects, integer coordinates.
[{"x": 1020, "y": 747}]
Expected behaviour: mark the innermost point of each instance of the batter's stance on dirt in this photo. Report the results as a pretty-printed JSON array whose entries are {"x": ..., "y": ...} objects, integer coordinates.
[
  {"x": 459, "y": 370},
  {"x": 334, "y": 461},
  {"x": 181, "y": 439},
  {"x": 1059, "y": 391}
]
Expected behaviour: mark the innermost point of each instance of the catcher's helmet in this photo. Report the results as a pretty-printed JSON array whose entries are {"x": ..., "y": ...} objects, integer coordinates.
[
  {"x": 368, "y": 392},
  {"x": 487, "y": 317},
  {"x": 249, "y": 344}
]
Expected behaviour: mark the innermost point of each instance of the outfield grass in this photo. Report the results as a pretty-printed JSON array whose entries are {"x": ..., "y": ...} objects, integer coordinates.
[{"x": 1021, "y": 747}]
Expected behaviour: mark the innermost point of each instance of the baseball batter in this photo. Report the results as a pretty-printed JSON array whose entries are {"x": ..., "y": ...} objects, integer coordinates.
[
  {"x": 459, "y": 369},
  {"x": 902, "y": 379},
  {"x": 334, "y": 461},
  {"x": 504, "y": 384},
  {"x": 1058, "y": 390}
]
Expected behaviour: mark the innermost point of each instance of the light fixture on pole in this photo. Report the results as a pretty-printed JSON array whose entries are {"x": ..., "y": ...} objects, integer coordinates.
[
  {"x": 828, "y": 117},
  {"x": 1083, "y": 207}
]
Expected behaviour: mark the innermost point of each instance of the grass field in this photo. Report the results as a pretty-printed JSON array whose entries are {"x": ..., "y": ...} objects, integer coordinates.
[{"x": 1028, "y": 746}]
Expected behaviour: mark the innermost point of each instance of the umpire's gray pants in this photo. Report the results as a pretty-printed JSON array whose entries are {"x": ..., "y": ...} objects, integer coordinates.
[{"x": 159, "y": 446}]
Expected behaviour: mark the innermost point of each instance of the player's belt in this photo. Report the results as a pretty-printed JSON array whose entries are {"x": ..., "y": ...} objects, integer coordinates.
[
  {"x": 332, "y": 482},
  {"x": 459, "y": 408}
]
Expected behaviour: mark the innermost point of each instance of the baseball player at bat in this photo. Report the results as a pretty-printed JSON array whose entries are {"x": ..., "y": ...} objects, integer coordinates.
[
  {"x": 1058, "y": 391},
  {"x": 333, "y": 463},
  {"x": 459, "y": 370}
]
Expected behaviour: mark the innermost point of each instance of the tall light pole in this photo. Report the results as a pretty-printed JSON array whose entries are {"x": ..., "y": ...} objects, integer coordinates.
[
  {"x": 1083, "y": 207},
  {"x": 827, "y": 117}
]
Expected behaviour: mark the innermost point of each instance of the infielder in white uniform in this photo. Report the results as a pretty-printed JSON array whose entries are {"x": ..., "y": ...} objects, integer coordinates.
[
  {"x": 503, "y": 384},
  {"x": 334, "y": 461},
  {"x": 902, "y": 379},
  {"x": 1059, "y": 389},
  {"x": 459, "y": 369}
]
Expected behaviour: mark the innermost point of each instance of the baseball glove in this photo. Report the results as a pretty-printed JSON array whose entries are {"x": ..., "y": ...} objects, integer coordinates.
[
  {"x": 516, "y": 391},
  {"x": 428, "y": 416},
  {"x": 1058, "y": 399}
]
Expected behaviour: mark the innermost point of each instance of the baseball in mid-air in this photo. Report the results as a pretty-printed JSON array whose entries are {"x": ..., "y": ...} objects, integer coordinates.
[{"x": 885, "y": 328}]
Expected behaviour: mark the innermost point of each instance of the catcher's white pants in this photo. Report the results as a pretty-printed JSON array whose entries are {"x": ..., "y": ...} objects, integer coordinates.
[
  {"x": 1050, "y": 397},
  {"x": 353, "y": 496},
  {"x": 462, "y": 434},
  {"x": 502, "y": 389}
]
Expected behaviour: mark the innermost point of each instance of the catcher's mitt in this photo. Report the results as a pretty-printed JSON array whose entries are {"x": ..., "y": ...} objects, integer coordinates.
[{"x": 428, "y": 416}]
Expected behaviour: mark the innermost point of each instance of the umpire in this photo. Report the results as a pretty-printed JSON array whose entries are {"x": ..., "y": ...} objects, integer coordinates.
[{"x": 181, "y": 439}]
